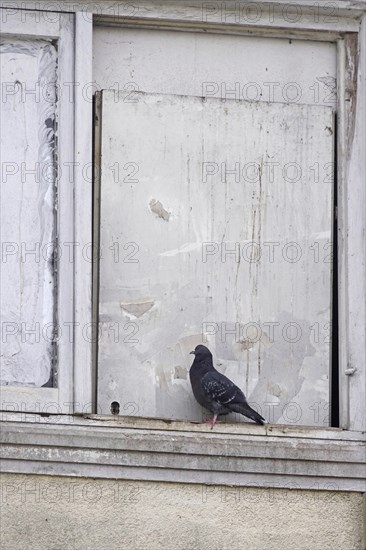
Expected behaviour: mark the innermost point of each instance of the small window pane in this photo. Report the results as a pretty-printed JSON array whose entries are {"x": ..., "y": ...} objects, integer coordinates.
[{"x": 28, "y": 214}]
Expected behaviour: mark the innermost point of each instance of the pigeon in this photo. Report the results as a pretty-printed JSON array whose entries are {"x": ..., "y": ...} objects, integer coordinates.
[{"x": 216, "y": 392}]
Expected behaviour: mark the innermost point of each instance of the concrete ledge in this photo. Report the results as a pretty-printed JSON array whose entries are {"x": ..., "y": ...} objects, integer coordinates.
[{"x": 157, "y": 450}]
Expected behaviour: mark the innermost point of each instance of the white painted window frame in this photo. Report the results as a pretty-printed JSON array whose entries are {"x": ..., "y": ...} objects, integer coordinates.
[
  {"x": 348, "y": 25},
  {"x": 74, "y": 379},
  {"x": 336, "y": 454}
]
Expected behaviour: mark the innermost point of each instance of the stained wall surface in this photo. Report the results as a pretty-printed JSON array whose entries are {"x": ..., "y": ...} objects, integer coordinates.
[{"x": 40, "y": 512}]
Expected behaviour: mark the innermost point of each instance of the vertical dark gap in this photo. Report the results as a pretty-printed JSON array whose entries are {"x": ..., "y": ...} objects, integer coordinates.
[
  {"x": 95, "y": 248},
  {"x": 334, "y": 384}
]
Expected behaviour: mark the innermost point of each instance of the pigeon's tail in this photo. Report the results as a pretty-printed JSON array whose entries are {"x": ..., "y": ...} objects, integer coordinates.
[{"x": 245, "y": 410}]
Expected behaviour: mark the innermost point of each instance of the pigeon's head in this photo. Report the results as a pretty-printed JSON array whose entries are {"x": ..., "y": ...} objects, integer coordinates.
[{"x": 201, "y": 352}]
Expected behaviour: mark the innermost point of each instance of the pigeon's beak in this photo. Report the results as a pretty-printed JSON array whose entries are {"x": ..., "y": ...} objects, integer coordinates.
[{"x": 191, "y": 353}]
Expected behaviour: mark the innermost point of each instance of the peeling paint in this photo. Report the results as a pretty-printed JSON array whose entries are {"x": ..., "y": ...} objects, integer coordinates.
[
  {"x": 181, "y": 373},
  {"x": 352, "y": 60},
  {"x": 330, "y": 82},
  {"x": 184, "y": 249},
  {"x": 138, "y": 308},
  {"x": 157, "y": 208}
]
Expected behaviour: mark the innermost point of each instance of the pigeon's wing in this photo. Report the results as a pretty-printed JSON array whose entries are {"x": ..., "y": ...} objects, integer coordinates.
[{"x": 220, "y": 389}]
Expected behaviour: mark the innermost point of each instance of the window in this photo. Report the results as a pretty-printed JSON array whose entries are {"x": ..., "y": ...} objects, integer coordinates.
[
  {"x": 331, "y": 48},
  {"x": 139, "y": 64},
  {"x": 41, "y": 314}
]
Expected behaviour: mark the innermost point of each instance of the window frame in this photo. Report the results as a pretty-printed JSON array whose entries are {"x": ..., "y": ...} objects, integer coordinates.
[
  {"x": 21, "y": 432},
  {"x": 74, "y": 216},
  {"x": 348, "y": 31}
]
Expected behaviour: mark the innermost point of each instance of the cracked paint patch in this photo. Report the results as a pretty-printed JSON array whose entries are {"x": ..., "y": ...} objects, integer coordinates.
[
  {"x": 157, "y": 208},
  {"x": 137, "y": 308}
]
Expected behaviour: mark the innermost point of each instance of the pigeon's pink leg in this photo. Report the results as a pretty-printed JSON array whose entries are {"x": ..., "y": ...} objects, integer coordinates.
[{"x": 212, "y": 421}]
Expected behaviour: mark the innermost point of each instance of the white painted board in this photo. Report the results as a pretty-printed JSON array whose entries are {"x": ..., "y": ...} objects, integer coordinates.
[
  {"x": 183, "y": 182},
  {"x": 247, "y": 68},
  {"x": 28, "y": 107}
]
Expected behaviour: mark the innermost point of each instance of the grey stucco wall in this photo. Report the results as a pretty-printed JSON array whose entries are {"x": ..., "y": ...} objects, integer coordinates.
[{"x": 43, "y": 512}]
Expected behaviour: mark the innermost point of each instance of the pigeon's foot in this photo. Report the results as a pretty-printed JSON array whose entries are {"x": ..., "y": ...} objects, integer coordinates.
[{"x": 212, "y": 421}]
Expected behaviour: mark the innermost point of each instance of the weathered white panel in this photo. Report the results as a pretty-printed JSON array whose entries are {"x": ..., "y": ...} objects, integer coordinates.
[
  {"x": 214, "y": 65},
  {"x": 277, "y": 17},
  {"x": 28, "y": 104},
  {"x": 83, "y": 380},
  {"x": 215, "y": 215},
  {"x": 352, "y": 198}
]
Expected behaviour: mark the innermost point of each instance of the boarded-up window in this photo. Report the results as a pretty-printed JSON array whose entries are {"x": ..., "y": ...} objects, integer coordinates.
[{"x": 214, "y": 219}]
